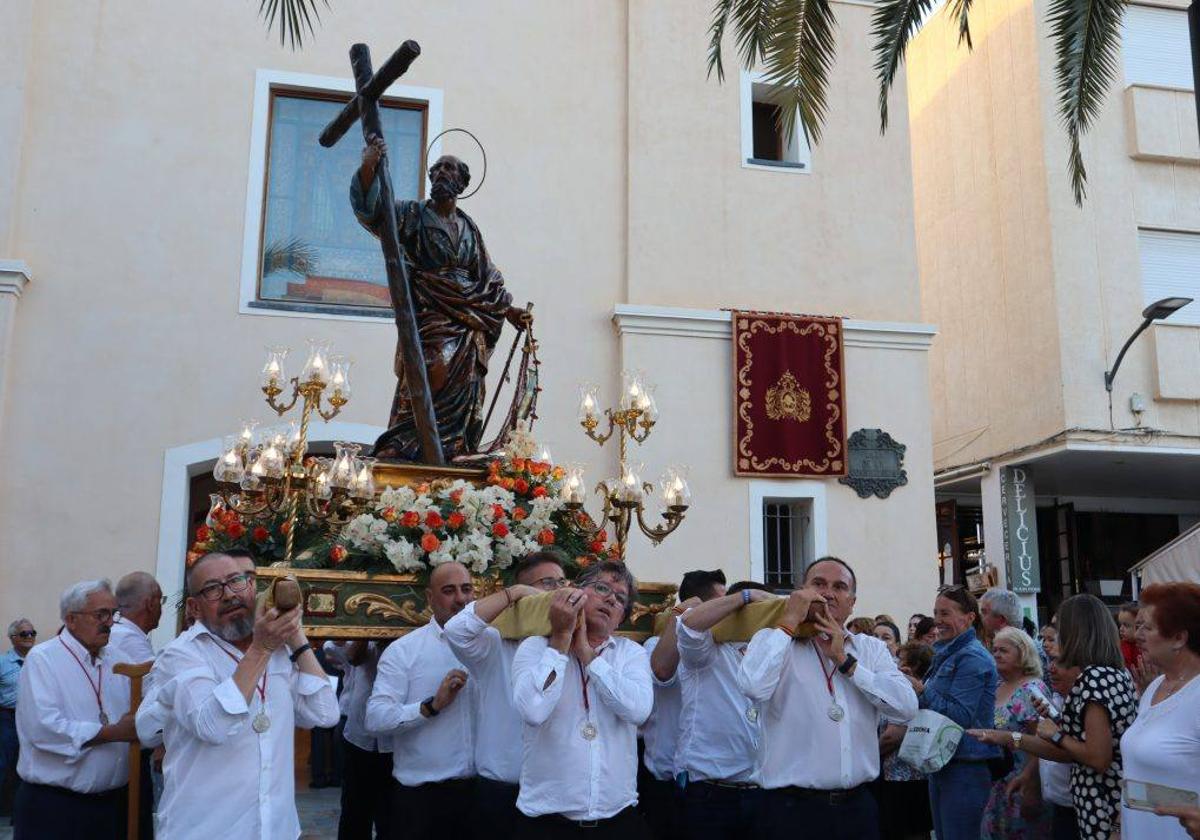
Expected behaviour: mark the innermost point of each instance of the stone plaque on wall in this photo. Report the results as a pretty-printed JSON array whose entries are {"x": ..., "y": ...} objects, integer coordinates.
[
  {"x": 876, "y": 464},
  {"x": 1018, "y": 502}
]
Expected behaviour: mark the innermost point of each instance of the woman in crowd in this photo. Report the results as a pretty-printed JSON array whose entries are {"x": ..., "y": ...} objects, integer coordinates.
[
  {"x": 889, "y": 634},
  {"x": 962, "y": 686},
  {"x": 861, "y": 624},
  {"x": 1020, "y": 672},
  {"x": 926, "y": 632},
  {"x": 1099, "y": 708},
  {"x": 1127, "y": 617},
  {"x": 903, "y": 792},
  {"x": 913, "y": 621},
  {"x": 1163, "y": 745}
]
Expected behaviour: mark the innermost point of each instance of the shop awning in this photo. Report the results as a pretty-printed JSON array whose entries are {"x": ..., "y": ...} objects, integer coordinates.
[{"x": 1178, "y": 560}]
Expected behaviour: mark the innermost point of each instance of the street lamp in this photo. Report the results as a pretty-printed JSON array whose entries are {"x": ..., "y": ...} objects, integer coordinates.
[{"x": 1156, "y": 311}]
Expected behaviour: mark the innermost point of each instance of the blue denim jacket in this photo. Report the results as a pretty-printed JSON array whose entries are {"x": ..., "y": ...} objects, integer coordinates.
[{"x": 961, "y": 684}]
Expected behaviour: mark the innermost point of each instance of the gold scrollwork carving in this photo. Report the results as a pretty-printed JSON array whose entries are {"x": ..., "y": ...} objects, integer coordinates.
[
  {"x": 786, "y": 400},
  {"x": 381, "y": 606}
]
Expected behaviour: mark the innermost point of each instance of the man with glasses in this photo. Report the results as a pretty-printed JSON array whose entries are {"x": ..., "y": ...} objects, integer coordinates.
[
  {"x": 416, "y": 701},
  {"x": 74, "y": 724},
  {"x": 488, "y": 658},
  {"x": 582, "y": 693},
  {"x": 22, "y": 636},
  {"x": 232, "y": 689}
]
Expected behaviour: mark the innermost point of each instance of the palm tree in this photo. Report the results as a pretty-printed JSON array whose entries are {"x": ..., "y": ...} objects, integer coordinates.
[{"x": 793, "y": 41}]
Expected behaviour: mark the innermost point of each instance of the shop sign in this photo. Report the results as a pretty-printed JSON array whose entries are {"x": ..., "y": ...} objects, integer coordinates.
[{"x": 1018, "y": 503}]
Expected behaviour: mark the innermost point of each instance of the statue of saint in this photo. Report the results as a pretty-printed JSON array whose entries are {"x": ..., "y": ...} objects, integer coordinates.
[{"x": 459, "y": 298}]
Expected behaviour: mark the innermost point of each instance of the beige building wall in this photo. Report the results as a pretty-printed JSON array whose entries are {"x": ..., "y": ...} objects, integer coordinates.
[{"x": 615, "y": 178}]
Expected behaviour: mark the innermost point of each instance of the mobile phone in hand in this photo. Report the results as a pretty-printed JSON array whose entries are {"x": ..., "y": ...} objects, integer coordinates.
[{"x": 1146, "y": 796}]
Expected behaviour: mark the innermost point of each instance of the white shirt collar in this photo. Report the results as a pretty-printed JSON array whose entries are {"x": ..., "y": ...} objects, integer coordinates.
[{"x": 76, "y": 647}]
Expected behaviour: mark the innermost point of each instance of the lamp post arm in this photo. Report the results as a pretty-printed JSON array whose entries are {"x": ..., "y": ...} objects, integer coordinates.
[{"x": 1110, "y": 375}]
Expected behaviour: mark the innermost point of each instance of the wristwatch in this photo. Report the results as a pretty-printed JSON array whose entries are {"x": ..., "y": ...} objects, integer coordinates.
[
  {"x": 427, "y": 707},
  {"x": 1056, "y": 738},
  {"x": 1016, "y": 740},
  {"x": 850, "y": 662}
]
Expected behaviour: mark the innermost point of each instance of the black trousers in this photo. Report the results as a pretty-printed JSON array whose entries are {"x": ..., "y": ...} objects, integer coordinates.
[
  {"x": 434, "y": 811},
  {"x": 146, "y": 799},
  {"x": 366, "y": 793},
  {"x": 658, "y": 802},
  {"x": 42, "y": 812},
  {"x": 626, "y": 825},
  {"x": 715, "y": 812},
  {"x": 830, "y": 815},
  {"x": 1065, "y": 827},
  {"x": 495, "y": 809}
]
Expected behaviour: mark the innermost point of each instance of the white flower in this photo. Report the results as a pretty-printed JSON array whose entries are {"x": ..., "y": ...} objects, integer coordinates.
[
  {"x": 475, "y": 552},
  {"x": 399, "y": 498},
  {"x": 365, "y": 531},
  {"x": 520, "y": 442},
  {"x": 403, "y": 555},
  {"x": 444, "y": 553}
]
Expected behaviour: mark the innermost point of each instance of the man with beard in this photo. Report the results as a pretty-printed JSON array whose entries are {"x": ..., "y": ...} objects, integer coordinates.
[
  {"x": 459, "y": 299},
  {"x": 74, "y": 724},
  {"x": 415, "y": 701},
  {"x": 232, "y": 689},
  {"x": 582, "y": 694},
  {"x": 822, "y": 701}
]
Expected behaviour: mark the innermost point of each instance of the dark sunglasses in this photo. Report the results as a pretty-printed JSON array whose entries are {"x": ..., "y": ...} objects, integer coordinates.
[{"x": 26, "y": 634}]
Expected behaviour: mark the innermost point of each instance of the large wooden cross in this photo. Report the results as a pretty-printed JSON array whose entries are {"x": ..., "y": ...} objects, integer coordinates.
[{"x": 365, "y": 108}]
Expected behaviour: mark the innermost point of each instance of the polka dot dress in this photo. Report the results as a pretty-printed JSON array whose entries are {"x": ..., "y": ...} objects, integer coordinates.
[{"x": 1097, "y": 796}]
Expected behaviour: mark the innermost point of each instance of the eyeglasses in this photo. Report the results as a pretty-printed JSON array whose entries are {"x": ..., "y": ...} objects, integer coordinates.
[
  {"x": 951, "y": 589},
  {"x": 605, "y": 591},
  {"x": 236, "y": 583},
  {"x": 163, "y": 600},
  {"x": 550, "y": 583},
  {"x": 101, "y": 616},
  {"x": 26, "y": 634}
]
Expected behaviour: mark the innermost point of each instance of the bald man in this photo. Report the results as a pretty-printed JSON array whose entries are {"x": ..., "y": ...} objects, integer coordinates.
[{"x": 416, "y": 700}]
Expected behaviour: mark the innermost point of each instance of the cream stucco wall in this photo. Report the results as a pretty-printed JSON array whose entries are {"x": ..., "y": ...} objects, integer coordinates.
[{"x": 605, "y": 186}]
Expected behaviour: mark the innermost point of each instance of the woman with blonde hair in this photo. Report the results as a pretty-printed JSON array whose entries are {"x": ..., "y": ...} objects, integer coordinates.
[{"x": 1020, "y": 670}]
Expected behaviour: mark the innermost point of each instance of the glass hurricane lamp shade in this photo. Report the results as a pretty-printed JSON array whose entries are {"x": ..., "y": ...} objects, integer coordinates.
[
  {"x": 647, "y": 404},
  {"x": 573, "y": 487},
  {"x": 321, "y": 488},
  {"x": 589, "y": 404},
  {"x": 629, "y": 485},
  {"x": 343, "y": 472},
  {"x": 316, "y": 367},
  {"x": 246, "y": 437},
  {"x": 272, "y": 458},
  {"x": 633, "y": 390},
  {"x": 253, "y": 478},
  {"x": 339, "y": 376},
  {"x": 230, "y": 467},
  {"x": 674, "y": 487},
  {"x": 291, "y": 445},
  {"x": 544, "y": 456},
  {"x": 215, "y": 508},
  {"x": 363, "y": 486},
  {"x": 273, "y": 375}
]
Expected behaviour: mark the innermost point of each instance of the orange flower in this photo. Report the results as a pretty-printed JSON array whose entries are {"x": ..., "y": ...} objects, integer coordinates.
[
  {"x": 545, "y": 537},
  {"x": 388, "y": 514},
  {"x": 558, "y": 473},
  {"x": 235, "y": 530},
  {"x": 433, "y": 519},
  {"x": 410, "y": 519},
  {"x": 498, "y": 512},
  {"x": 203, "y": 533},
  {"x": 260, "y": 534},
  {"x": 423, "y": 489},
  {"x": 285, "y": 527},
  {"x": 584, "y": 561},
  {"x": 499, "y": 530},
  {"x": 338, "y": 553},
  {"x": 509, "y": 483},
  {"x": 538, "y": 467},
  {"x": 455, "y": 520},
  {"x": 430, "y": 543},
  {"x": 518, "y": 464},
  {"x": 521, "y": 486},
  {"x": 539, "y": 492},
  {"x": 456, "y": 496},
  {"x": 596, "y": 546},
  {"x": 519, "y": 514}
]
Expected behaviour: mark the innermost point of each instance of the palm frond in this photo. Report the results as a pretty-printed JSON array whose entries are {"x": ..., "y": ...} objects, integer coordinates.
[
  {"x": 1086, "y": 35},
  {"x": 716, "y": 34},
  {"x": 293, "y": 16},
  {"x": 961, "y": 11},
  {"x": 892, "y": 25},
  {"x": 291, "y": 255},
  {"x": 752, "y": 21},
  {"x": 799, "y": 53}
]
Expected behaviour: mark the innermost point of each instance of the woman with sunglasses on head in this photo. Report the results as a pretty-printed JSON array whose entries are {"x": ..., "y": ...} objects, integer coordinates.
[
  {"x": 961, "y": 685},
  {"x": 1163, "y": 745},
  {"x": 1099, "y": 708}
]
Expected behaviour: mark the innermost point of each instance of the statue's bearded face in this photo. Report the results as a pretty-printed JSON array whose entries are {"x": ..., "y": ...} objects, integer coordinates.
[{"x": 448, "y": 177}]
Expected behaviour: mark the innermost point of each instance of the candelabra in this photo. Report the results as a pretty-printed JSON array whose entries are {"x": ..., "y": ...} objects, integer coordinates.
[
  {"x": 624, "y": 497},
  {"x": 261, "y": 476}
]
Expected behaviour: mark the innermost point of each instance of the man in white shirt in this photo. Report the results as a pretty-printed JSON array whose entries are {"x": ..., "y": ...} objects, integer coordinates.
[
  {"x": 822, "y": 701},
  {"x": 74, "y": 725},
  {"x": 140, "y": 601},
  {"x": 719, "y": 726},
  {"x": 416, "y": 701},
  {"x": 366, "y": 757},
  {"x": 488, "y": 659},
  {"x": 233, "y": 688},
  {"x": 658, "y": 788},
  {"x": 582, "y": 694}
]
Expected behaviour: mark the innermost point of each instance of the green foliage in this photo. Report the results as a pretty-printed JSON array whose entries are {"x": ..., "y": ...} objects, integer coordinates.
[{"x": 294, "y": 18}]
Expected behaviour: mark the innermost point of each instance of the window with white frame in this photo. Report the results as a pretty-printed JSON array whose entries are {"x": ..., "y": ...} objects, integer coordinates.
[
  {"x": 304, "y": 252},
  {"x": 787, "y": 540},
  {"x": 1155, "y": 47},
  {"x": 764, "y": 142},
  {"x": 1170, "y": 264}
]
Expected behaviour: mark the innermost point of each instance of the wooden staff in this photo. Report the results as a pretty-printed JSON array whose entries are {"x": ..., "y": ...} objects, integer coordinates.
[{"x": 135, "y": 674}]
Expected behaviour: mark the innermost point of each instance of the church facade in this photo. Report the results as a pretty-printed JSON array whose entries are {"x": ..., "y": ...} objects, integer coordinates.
[{"x": 164, "y": 215}]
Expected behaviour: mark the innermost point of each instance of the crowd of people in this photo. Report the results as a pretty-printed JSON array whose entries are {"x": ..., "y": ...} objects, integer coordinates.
[{"x": 800, "y": 726}]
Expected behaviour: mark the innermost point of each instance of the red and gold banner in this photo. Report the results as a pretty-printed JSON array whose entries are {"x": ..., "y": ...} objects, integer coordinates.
[{"x": 789, "y": 395}]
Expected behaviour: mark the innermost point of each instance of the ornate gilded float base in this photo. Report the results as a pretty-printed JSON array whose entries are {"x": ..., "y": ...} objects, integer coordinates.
[{"x": 357, "y": 605}]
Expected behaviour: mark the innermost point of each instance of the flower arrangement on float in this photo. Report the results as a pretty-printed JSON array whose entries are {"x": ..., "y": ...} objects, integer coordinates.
[{"x": 410, "y": 530}]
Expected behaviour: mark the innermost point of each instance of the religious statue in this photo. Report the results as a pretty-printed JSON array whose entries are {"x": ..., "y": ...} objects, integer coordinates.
[{"x": 458, "y": 298}]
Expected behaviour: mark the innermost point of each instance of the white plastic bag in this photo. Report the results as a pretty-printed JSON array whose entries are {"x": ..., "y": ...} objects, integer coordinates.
[{"x": 930, "y": 742}]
